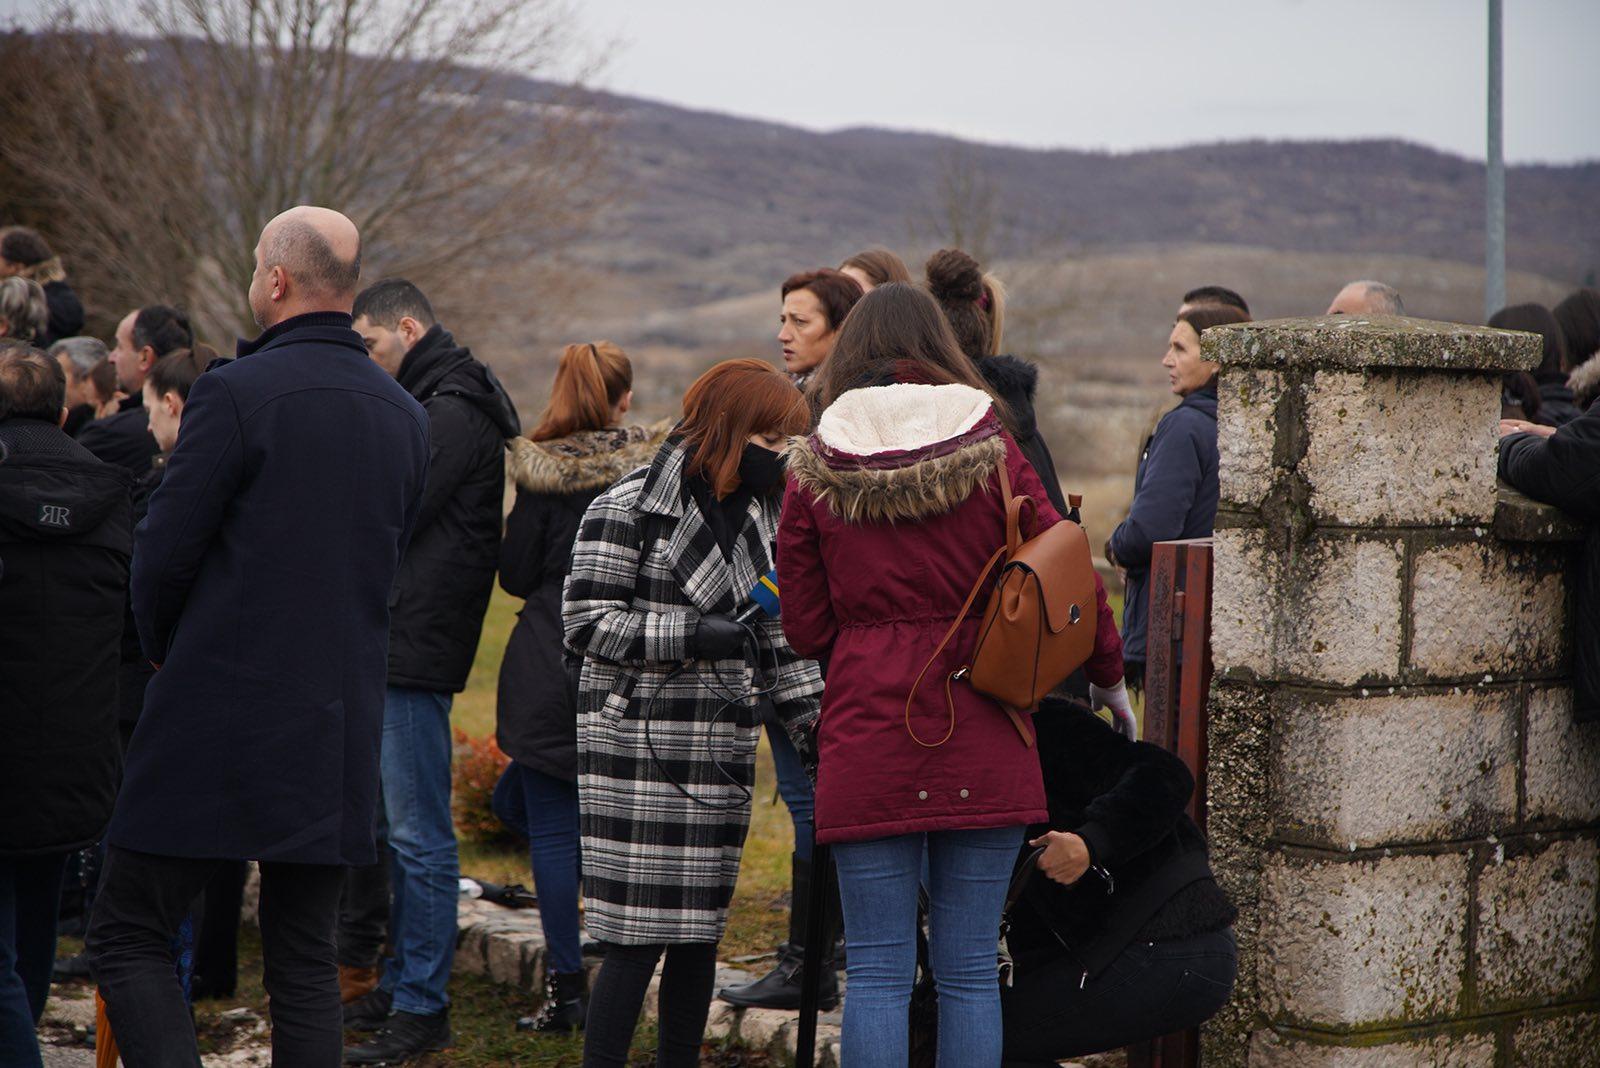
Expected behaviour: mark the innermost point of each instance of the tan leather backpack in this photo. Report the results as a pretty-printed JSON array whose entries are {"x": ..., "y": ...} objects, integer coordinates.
[{"x": 1039, "y": 626}]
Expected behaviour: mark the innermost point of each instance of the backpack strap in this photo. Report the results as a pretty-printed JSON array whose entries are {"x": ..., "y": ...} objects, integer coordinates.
[{"x": 1014, "y": 507}]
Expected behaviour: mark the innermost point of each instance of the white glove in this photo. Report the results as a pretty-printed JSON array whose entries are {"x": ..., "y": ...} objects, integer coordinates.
[{"x": 1116, "y": 699}]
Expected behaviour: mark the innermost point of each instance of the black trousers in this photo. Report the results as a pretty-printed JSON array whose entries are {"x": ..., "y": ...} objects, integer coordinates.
[
  {"x": 364, "y": 906},
  {"x": 1152, "y": 989},
  {"x": 142, "y": 899},
  {"x": 687, "y": 980},
  {"x": 216, "y": 944}
]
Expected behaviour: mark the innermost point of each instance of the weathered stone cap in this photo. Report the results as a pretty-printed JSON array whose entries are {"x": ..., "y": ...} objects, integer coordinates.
[{"x": 1362, "y": 341}]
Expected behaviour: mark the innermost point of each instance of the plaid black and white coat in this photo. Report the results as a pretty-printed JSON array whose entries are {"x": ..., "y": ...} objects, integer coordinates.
[{"x": 658, "y": 866}]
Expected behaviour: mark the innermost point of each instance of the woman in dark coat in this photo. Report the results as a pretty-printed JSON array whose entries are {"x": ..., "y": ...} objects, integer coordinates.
[
  {"x": 1123, "y": 934},
  {"x": 1561, "y": 466},
  {"x": 974, "y": 304},
  {"x": 579, "y": 448},
  {"x": 1176, "y": 489},
  {"x": 894, "y": 508},
  {"x": 24, "y": 252},
  {"x": 667, "y": 721},
  {"x": 1552, "y": 403}
]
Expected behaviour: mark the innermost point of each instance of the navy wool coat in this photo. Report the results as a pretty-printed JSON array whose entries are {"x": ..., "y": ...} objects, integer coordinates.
[{"x": 261, "y": 582}]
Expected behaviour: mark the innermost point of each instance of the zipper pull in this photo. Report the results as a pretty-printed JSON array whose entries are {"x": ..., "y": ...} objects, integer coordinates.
[{"x": 1083, "y": 980}]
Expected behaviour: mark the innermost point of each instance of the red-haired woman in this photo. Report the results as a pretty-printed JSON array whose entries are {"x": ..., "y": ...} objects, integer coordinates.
[
  {"x": 579, "y": 448},
  {"x": 667, "y": 722},
  {"x": 814, "y": 306}
]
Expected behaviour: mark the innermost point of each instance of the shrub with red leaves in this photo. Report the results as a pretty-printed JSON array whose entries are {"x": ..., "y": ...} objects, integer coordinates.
[{"x": 477, "y": 767}]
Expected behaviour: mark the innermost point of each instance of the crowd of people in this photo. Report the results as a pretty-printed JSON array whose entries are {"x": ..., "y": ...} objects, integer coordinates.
[{"x": 237, "y": 597}]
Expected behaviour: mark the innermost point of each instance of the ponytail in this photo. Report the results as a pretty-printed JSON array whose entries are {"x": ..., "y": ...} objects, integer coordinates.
[{"x": 591, "y": 379}]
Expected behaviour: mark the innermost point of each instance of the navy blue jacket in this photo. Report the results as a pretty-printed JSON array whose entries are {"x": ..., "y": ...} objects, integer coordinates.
[
  {"x": 1174, "y": 498},
  {"x": 261, "y": 583}
]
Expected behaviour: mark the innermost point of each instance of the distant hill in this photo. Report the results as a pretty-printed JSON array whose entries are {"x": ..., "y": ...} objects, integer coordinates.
[{"x": 739, "y": 197}]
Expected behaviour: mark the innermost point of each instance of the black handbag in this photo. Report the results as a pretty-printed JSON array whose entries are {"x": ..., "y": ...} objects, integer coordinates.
[{"x": 924, "y": 1022}]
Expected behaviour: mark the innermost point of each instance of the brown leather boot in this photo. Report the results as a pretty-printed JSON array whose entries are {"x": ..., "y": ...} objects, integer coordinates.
[{"x": 356, "y": 982}]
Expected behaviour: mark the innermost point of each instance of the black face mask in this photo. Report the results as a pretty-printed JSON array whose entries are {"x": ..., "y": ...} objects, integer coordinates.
[{"x": 760, "y": 469}]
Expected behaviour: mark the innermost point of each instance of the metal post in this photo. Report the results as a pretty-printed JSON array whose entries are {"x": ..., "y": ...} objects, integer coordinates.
[{"x": 1494, "y": 243}]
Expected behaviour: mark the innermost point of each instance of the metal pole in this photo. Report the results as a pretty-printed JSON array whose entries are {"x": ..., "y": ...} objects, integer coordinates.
[{"x": 1494, "y": 244}]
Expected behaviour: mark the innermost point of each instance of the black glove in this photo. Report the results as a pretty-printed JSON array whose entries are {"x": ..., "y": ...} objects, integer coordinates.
[{"x": 718, "y": 637}]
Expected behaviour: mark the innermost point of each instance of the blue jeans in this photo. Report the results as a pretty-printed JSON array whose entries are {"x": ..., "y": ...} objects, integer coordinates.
[
  {"x": 422, "y": 838},
  {"x": 793, "y": 784},
  {"x": 544, "y": 810},
  {"x": 30, "y": 893},
  {"x": 968, "y": 872}
]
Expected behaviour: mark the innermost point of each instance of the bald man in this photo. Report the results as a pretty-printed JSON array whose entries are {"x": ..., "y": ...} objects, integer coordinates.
[
  {"x": 1367, "y": 298},
  {"x": 261, "y": 584}
]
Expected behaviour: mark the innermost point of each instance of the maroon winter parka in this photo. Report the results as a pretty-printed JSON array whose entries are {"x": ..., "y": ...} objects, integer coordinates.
[{"x": 892, "y": 509}]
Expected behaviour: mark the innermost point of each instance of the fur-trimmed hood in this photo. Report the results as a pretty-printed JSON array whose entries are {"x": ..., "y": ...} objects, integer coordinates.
[
  {"x": 587, "y": 460},
  {"x": 899, "y": 452},
  {"x": 1585, "y": 381}
]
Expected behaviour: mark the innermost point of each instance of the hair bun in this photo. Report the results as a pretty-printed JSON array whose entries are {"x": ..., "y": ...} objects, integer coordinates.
[{"x": 953, "y": 276}]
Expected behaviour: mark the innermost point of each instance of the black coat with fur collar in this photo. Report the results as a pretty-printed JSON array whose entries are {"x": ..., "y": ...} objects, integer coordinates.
[
  {"x": 536, "y": 723},
  {"x": 1015, "y": 382}
]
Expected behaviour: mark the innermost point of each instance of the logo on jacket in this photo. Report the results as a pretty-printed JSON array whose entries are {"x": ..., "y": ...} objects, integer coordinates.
[{"x": 55, "y": 515}]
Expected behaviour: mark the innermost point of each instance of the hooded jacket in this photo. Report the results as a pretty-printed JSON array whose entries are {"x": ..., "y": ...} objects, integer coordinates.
[
  {"x": 1174, "y": 497},
  {"x": 1015, "y": 382},
  {"x": 536, "y": 719},
  {"x": 893, "y": 508},
  {"x": 446, "y": 576},
  {"x": 1564, "y": 470},
  {"x": 65, "y": 541}
]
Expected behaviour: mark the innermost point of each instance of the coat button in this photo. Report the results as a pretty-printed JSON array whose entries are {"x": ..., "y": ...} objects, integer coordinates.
[
  {"x": 922, "y": 795},
  {"x": 963, "y": 793}
]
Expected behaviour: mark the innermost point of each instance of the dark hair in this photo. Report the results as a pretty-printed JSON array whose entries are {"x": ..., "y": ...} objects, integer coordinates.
[
  {"x": 956, "y": 282},
  {"x": 177, "y": 370},
  {"x": 879, "y": 265},
  {"x": 1204, "y": 316},
  {"x": 162, "y": 327},
  {"x": 1536, "y": 319},
  {"x": 19, "y": 244},
  {"x": 1216, "y": 295},
  {"x": 727, "y": 404},
  {"x": 835, "y": 291},
  {"x": 388, "y": 300},
  {"x": 1578, "y": 315},
  {"x": 103, "y": 377},
  {"x": 897, "y": 333},
  {"x": 32, "y": 384}
]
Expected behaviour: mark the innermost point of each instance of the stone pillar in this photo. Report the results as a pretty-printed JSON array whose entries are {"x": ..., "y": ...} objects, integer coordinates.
[{"x": 1399, "y": 800}]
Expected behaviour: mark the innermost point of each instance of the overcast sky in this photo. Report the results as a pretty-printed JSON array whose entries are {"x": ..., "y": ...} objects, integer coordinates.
[{"x": 1123, "y": 74}]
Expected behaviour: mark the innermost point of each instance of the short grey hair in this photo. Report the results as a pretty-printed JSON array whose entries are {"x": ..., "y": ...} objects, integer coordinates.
[
  {"x": 305, "y": 254},
  {"x": 23, "y": 307},
  {"x": 83, "y": 353},
  {"x": 1382, "y": 299}
]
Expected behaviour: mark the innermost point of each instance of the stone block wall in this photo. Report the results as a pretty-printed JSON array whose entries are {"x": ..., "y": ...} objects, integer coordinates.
[{"x": 1399, "y": 799}]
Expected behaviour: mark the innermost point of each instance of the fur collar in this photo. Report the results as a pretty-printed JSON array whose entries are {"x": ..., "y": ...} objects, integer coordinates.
[
  {"x": 587, "y": 460},
  {"x": 1585, "y": 380},
  {"x": 900, "y": 452}
]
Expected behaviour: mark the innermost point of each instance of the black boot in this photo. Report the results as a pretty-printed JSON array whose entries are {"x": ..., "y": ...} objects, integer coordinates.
[
  {"x": 406, "y": 1036},
  {"x": 566, "y": 1003},
  {"x": 780, "y": 988},
  {"x": 370, "y": 1011}
]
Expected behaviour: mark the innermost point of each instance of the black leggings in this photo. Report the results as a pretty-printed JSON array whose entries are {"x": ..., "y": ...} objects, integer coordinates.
[
  {"x": 1152, "y": 989},
  {"x": 687, "y": 980}
]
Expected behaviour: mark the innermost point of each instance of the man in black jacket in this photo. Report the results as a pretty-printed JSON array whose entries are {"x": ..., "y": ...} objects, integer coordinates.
[
  {"x": 143, "y": 337},
  {"x": 261, "y": 581},
  {"x": 437, "y": 611},
  {"x": 65, "y": 539}
]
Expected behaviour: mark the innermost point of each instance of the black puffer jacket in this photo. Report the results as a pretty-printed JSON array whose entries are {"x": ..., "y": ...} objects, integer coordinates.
[
  {"x": 1126, "y": 800},
  {"x": 1564, "y": 470},
  {"x": 1557, "y": 405},
  {"x": 445, "y": 578},
  {"x": 1015, "y": 382},
  {"x": 65, "y": 539},
  {"x": 124, "y": 437},
  {"x": 536, "y": 723}
]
